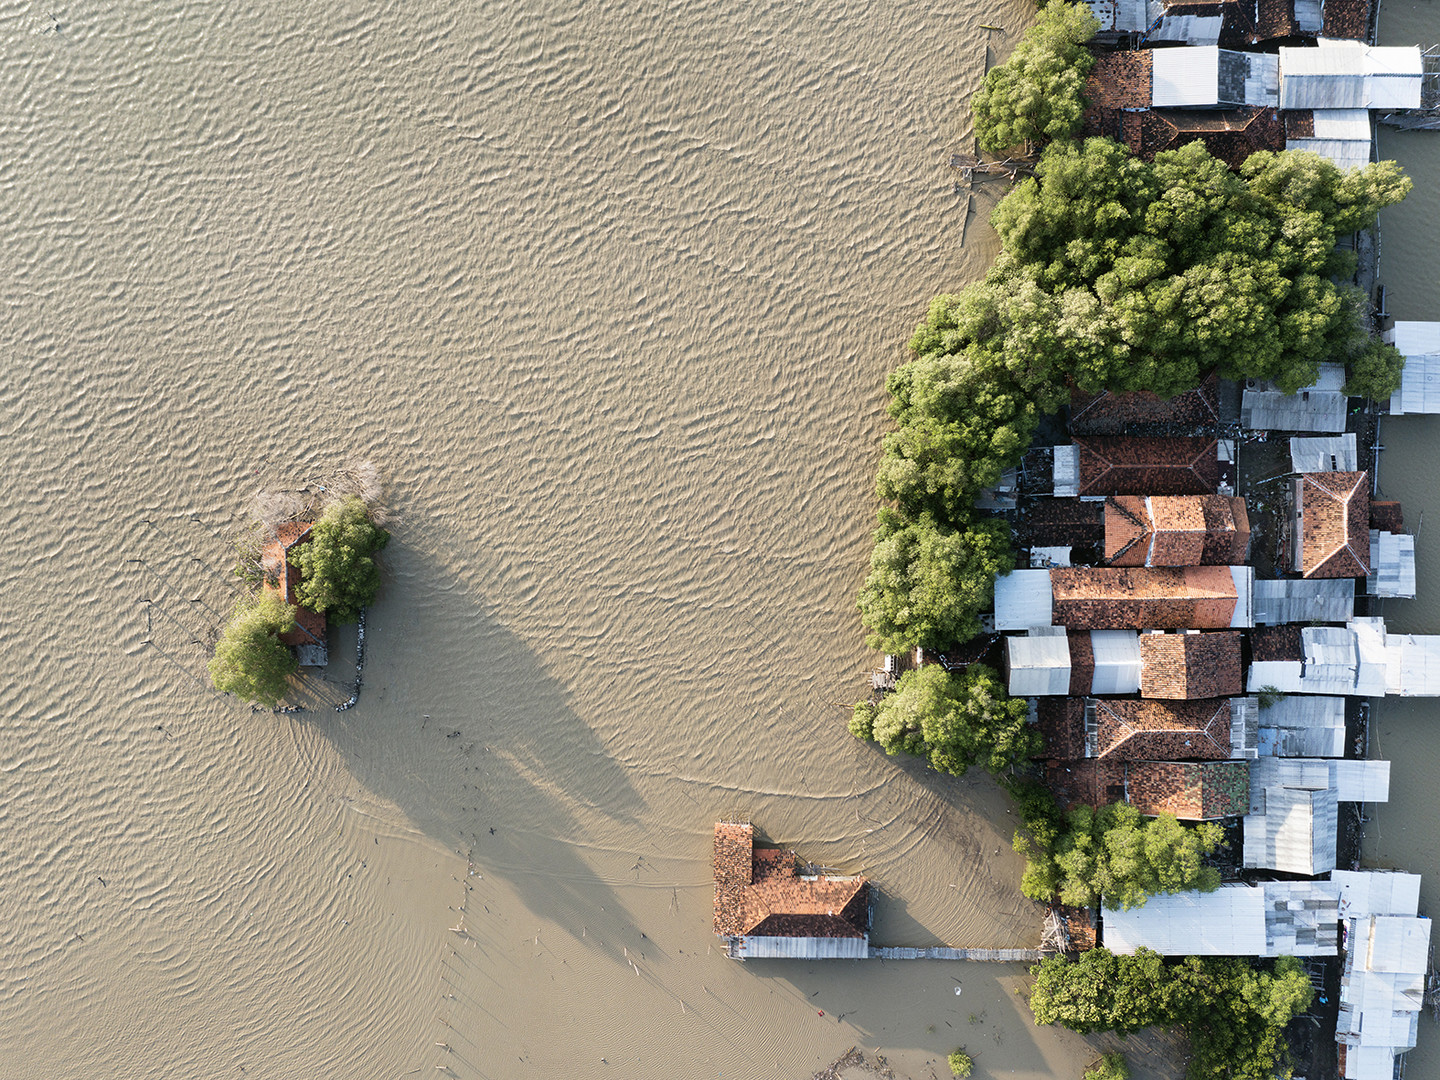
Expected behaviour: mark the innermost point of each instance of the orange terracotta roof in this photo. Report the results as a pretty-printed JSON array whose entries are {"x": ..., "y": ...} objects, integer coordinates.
[
  {"x": 1190, "y": 665},
  {"x": 1143, "y": 598},
  {"x": 1335, "y": 524},
  {"x": 1131, "y": 730},
  {"x": 282, "y": 578},
  {"x": 1175, "y": 530},
  {"x": 1126, "y": 465},
  {"x": 757, "y": 892},
  {"x": 1119, "y": 80}
]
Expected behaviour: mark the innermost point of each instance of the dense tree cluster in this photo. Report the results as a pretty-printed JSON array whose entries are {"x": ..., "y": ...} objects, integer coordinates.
[
  {"x": 337, "y": 567},
  {"x": 1112, "y": 1066},
  {"x": 1114, "y": 855},
  {"x": 953, "y": 721},
  {"x": 250, "y": 660},
  {"x": 1036, "y": 95},
  {"x": 1233, "y": 1011}
]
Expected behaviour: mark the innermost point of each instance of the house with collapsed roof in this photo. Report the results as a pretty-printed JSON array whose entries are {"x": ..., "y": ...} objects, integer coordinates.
[
  {"x": 1230, "y": 23},
  {"x": 1175, "y": 530},
  {"x": 307, "y": 637},
  {"x": 766, "y": 907}
]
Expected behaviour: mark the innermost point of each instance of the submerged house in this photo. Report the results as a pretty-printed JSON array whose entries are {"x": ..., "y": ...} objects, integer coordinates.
[
  {"x": 765, "y": 908},
  {"x": 308, "y": 636}
]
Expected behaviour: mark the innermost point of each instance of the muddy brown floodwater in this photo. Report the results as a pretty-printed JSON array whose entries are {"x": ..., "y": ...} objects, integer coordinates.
[{"x": 609, "y": 292}]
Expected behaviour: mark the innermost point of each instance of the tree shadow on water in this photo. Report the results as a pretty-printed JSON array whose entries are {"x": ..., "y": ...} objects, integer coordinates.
[{"x": 462, "y": 727}]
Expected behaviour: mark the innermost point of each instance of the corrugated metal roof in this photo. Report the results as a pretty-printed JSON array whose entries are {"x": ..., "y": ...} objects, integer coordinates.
[
  {"x": 1186, "y": 76},
  {"x": 1419, "y": 343},
  {"x": 1296, "y": 832},
  {"x": 1309, "y": 16},
  {"x": 1227, "y": 922},
  {"x": 1022, "y": 600},
  {"x": 1350, "y": 75},
  {"x": 1377, "y": 892},
  {"x": 1392, "y": 564},
  {"x": 1066, "y": 470},
  {"x": 1345, "y": 154},
  {"x": 1039, "y": 665},
  {"x": 1190, "y": 29},
  {"x": 1398, "y": 944},
  {"x": 1244, "y": 726},
  {"x": 1117, "y": 662},
  {"x": 1317, "y": 408},
  {"x": 1361, "y": 781},
  {"x": 1342, "y": 124},
  {"x": 1412, "y": 665},
  {"x": 1303, "y": 726},
  {"x": 1292, "y": 600},
  {"x": 1244, "y": 578},
  {"x": 1324, "y": 453}
]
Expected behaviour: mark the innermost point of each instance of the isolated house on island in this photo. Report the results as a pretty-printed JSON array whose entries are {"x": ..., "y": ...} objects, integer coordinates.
[
  {"x": 1175, "y": 530},
  {"x": 308, "y": 636},
  {"x": 765, "y": 908},
  {"x": 1332, "y": 524},
  {"x": 1190, "y": 665}
]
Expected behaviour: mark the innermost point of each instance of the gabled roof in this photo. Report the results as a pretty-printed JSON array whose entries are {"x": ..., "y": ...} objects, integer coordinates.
[
  {"x": 758, "y": 893},
  {"x": 1231, "y": 135},
  {"x": 1130, "y": 730},
  {"x": 1143, "y": 598},
  {"x": 1120, "y": 80},
  {"x": 1335, "y": 524},
  {"x": 1148, "y": 466},
  {"x": 1181, "y": 666},
  {"x": 1175, "y": 530}
]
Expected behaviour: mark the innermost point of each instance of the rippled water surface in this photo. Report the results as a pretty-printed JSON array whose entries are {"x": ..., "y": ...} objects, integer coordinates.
[{"x": 608, "y": 292}]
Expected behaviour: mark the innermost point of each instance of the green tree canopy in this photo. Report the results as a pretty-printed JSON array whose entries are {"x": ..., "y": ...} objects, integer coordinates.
[
  {"x": 955, "y": 722},
  {"x": 1037, "y": 94},
  {"x": 1112, "y": 1066},
  {"x": 928, "y": 583},
  {"x": 1113, "y": 856},
  {"x": 1156, "y": 273},
  {"x": 250, "y": 661},
  {"x": 338, "y": 575},
  {"x": 1233, "y": 1011}
]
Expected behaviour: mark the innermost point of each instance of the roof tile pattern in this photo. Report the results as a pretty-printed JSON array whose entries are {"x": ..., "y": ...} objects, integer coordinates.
[
  {"x": 284, "y": 579},
  {"x": 1119, "y": 414},
  {"x": 757, "y": 892},
  {"x": 1347, "y": 19},
  {"x": 1175, "y": 530},
  {"x": 1060, "y": 523},
  {"x": 1275, "y": 19},
  {"x": 1130, "y": 730},
  {"x": 1191, "y": 790},
  {"x": 1230, "y": 135},
  {"x": 1386, "y": 516},
  {"x": 1082, "y": 661},
  {"x": 1119, "y": 80},
  {"x": 1143, "y": 598},
  {"x": 1190, "y": 666},
  {"x": 1335, "y": 524},
  {"x": 1062, "y": 727},
  {"x": 1127, "y": 465}
]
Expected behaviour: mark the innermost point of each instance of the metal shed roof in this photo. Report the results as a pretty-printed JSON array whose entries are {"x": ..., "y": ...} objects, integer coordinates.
[
  {"x": 1303, "y": 726},
  {"x": 1350, "y": 75},
  {"x": 1022, "y": 600},
  {"x": 1039, "y": 664},
  {"x": 1412, "y": 665},
  {"x": 1200, "y": 76},
  {"x": 1320, "y": 407},
  {"x": 1292, "y": 600},
  {"x": 1295, "y": 833},
  {"x": 1324, "y": 453},
  {"x": 1227, "y": 922},
  {"x": 1117, "y": 662},
  {"x": 1419, "y": 343},
  {"x": 1377, "y": 892},
  {"x": 1065, "y": 473},
  {"x": 1392, "y": 564}
]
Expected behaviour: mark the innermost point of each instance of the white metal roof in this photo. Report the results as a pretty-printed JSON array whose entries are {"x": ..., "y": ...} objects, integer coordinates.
[
  {"x": 1352, "y": 780},
  {"x": 1291, "y": 600},
  {"x": 1296, "y": 832},
  {"x": 1342, "y": 124},
  {"x": 1320, "y": 407},
  {"x": 1350, "y": 75},
  {"x": 1227, "y": 922},
  {"x": 1370, "y": 1063},
  {"x": 1419, "y": 343},
  {"x": 1362, "y": 781},
  {"x": 1377, "y": 892},
  {"x": 1303, "y": 726},
  {"x": 1324, "y": 453},
  {"x": 1117, "y": 662},
  {"x": 1392, "y": 564},
  {"x": 1185, "y": 76},
  {"x": 1022, "y": 600},
  {"x": 1412, "y": 665},
  {"x": 1244, "y": 614},
  {"x": 1039, "y": 664},
  {"x": 1066, "y": 470},
  {"x": 1398, "y": 944}
]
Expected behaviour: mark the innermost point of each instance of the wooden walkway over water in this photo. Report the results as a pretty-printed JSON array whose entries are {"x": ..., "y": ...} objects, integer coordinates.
[{"x": 942, "y": 952}]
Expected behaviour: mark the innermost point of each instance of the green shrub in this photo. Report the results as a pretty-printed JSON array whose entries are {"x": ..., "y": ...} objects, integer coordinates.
[
  {"x": 338, "y": 575},
  {"x": 1112, "y": 1066},
  {"x": 250, "y": 660},
  {"x": 960, "y": 1062}
]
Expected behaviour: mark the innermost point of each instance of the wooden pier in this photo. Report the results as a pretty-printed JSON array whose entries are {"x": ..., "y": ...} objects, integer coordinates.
[{"x": 942, "y": 952}]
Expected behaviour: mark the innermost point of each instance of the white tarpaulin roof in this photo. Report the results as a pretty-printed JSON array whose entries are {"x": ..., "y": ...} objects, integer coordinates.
[{"x": 1039, "y": 664}]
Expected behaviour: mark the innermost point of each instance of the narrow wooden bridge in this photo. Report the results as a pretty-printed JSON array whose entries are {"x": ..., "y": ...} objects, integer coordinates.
[{"x": 942, "y": 952}]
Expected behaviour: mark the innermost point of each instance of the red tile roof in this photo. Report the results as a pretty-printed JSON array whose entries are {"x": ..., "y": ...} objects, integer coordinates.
[
  {"x": 1191, "y": 790},
  {"x": 759, "y": 893},
  {"x": 1127, "y": 465},
  {"x": 1119, "y": 80},
  {"x": 1175, "y": 530},
  {"x": 1181, "y": 666},
  {"x": 1386, "y": 516},
  {"x": 1334, "y": 524},
  {"x": 1062, "y": 727},
  {"x": 1275, "y": 19},
  {"x": 1118, "y": 414},
  {"x": 1130, "y": 730},
  {"x": 1229, "y": 135},
  {"x": 284, "y": 579},
  {"x": 1143, "y": 598}
]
